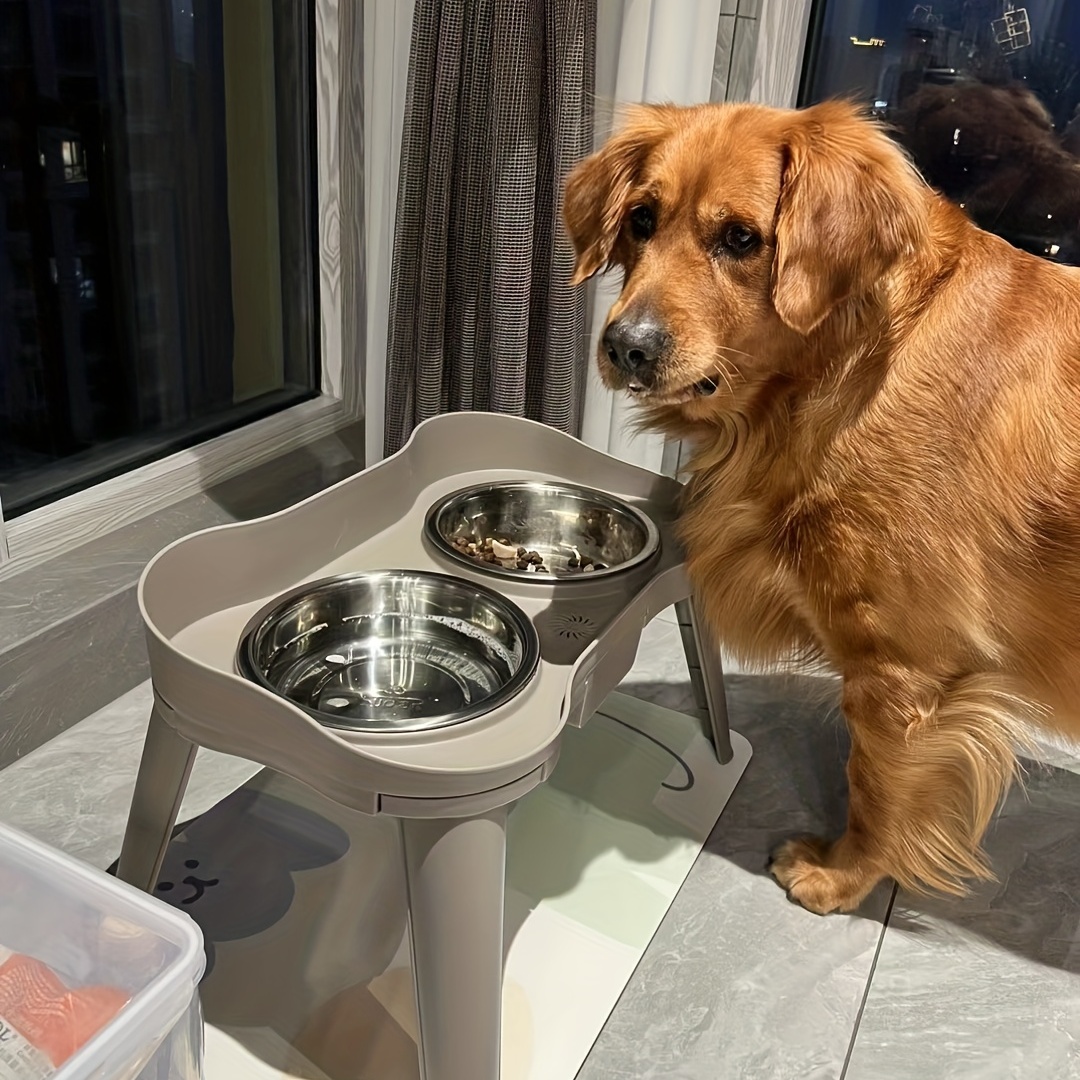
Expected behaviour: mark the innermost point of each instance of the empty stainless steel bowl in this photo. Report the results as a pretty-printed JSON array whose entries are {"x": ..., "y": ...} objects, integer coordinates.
[
  {"x": 392, "y": 650},
  {"x": 576, "y": 532}
]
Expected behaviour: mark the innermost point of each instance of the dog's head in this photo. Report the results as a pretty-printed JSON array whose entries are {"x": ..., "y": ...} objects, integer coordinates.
[{"x": 740, "y": 230}]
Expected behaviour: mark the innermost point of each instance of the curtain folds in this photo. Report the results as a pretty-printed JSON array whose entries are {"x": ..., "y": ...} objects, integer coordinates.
[
  {"x": 474, "y": 112},
  {"x": 498, "y": 109}
]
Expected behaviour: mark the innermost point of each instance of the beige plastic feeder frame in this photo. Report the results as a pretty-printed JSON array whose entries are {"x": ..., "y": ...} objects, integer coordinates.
[{"x": 451, "y": 788}]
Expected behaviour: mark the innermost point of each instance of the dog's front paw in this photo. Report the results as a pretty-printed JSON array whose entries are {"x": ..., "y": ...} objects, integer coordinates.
[{"x": 803, "y": 868}]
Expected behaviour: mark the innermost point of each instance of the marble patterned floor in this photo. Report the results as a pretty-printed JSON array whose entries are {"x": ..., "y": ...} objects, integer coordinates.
[{"x": 738, "y": 983}]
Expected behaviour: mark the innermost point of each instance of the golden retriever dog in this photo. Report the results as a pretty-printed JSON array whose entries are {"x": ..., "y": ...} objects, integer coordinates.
[{"x": 884, "y": 406}]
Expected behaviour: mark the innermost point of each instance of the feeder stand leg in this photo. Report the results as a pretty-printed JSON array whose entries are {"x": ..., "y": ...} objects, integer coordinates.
[
  {"x": 159, "y": 789},
  {"x": 706, "y": 677},
  {"x": 455, "y": 872}
]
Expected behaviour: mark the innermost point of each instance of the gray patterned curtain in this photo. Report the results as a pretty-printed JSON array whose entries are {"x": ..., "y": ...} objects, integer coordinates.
[{"x": 498, "y": 110}]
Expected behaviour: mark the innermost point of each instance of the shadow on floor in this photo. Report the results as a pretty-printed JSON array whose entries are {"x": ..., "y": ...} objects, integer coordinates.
[{"x": 795, "y": 784}]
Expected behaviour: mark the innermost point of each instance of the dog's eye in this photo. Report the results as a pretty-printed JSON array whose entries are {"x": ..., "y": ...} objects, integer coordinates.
[
  {"x": 738, "y": 240},
  {"x": 642, "y": 222}
]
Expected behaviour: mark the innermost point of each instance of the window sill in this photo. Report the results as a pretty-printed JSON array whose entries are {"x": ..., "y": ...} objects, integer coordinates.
[
  {"x": 67, "y": 524},
  {"x": 70, "y": 634}
]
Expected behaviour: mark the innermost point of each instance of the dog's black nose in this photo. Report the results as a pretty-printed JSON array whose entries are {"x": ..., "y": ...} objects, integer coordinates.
[{"x": 635, "y": 345}]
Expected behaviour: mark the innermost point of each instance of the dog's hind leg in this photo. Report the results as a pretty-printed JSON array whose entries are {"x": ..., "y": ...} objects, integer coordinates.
[{"x": 928, "y": 767}]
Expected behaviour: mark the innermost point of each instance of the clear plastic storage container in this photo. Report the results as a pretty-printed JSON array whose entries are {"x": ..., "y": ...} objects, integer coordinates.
[{"x": 115, "y": 952}]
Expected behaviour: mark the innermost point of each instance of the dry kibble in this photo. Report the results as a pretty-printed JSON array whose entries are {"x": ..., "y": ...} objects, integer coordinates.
[{"x": 493, "y": 551}]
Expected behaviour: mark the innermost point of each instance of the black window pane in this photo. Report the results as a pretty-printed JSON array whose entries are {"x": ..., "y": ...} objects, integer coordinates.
[
  {"x": 156, "y": 230},
  {"x": 984, "y": 94}
]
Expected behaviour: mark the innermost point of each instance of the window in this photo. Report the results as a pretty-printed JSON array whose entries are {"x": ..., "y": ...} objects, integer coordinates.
[
  {"x": 157, "y": 232},
  {"x": 984, "y": 93}
]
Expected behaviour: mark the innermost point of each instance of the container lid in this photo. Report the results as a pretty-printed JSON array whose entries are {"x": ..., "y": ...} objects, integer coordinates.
[{"x": 90, "y": 928}]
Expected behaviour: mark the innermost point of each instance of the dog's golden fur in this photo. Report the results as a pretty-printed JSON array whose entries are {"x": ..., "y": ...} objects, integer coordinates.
[{"x": 888, "y": 475}]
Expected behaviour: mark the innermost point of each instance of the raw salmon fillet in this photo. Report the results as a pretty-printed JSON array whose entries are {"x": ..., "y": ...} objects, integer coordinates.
[{"x": 54, "y": 1019}]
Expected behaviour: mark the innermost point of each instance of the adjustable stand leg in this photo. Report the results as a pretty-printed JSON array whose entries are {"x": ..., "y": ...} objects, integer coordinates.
[
  {"x": 455, "y": 873},
  {"x": 163, "y": 777},
  {"x": 706, "y": 676}
]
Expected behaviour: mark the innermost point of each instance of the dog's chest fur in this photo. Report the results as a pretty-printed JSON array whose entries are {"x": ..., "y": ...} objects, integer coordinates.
[
  {"x": 744, "y": 549},
  {"x": 793, "y": 562}
]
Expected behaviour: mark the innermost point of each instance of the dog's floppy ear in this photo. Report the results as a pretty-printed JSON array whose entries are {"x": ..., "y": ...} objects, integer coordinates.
[
  {"x": 597, "y": 190},
  {"x": 851, "y": 205}
]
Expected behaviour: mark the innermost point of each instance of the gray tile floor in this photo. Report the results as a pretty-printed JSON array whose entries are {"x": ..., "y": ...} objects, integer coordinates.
[{"x": 738, "y": 983}]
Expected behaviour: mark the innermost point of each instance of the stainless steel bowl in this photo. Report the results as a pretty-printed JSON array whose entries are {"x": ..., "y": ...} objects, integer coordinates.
[
  {"x": 568, "y": 527},
  {"x": 393, "y": 650}
]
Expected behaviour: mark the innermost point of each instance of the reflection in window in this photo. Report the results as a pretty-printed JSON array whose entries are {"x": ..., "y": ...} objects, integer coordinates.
[
  {"x": 156, "y": 279},
  {"x": 74, "y": 161},
  {"x": 985, "y": 94}
]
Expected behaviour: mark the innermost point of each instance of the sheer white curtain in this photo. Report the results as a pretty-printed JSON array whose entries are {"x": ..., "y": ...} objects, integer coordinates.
[{"x": 648, "y": 50}]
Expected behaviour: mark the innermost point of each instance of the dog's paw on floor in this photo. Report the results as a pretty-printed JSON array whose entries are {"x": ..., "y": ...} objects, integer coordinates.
[{"x": 799, "y": 866}]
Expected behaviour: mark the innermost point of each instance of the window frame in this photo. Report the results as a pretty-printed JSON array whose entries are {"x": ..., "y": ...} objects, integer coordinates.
[{"x": 42, "y": 534}]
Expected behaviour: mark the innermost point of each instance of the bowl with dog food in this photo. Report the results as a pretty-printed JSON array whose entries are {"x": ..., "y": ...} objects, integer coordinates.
[
  {"x": 391, "y": 650},
  {"x": 541, "y": 531}
]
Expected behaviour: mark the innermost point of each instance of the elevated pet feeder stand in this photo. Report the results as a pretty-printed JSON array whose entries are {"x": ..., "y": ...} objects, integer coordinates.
[{"x": 451, "y": 787}]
